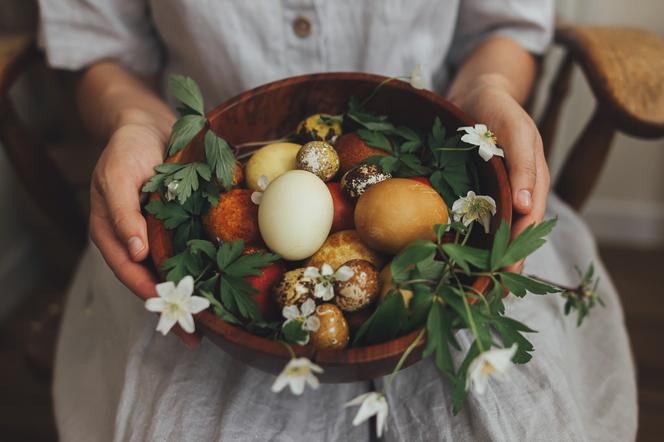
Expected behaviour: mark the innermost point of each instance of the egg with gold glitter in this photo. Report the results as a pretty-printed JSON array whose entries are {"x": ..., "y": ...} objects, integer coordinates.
[
  {"x": 356, "y": 181},
  {"x": 359, "y": 290},
  {"x": 333, "y": 331},
  {"x": 319, "y": 127},
  {"x": 294, "y": 288},
  {"x": 319, "y": 158}
]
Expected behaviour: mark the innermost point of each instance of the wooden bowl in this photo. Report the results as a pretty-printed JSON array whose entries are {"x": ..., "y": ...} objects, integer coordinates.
[{"x": 270, "y": 112}]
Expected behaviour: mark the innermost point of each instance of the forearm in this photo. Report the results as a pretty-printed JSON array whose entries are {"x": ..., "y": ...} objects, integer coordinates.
[
  {"x": 498, "y": 62},
  {"x": 110, "y": 97}
]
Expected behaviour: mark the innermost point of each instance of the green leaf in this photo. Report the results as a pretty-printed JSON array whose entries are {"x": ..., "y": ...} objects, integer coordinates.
[
  {"x": 220, "y": 158},
  {"x": 236, "y": 296},
  {"x": 465, "y": 256},
  {"x": 251, "y": 264},
  {"x": 219, "y": 309},
  {"x": 437, "y": 135},
  {"x": 413, "y": 166},
  {"x": 500, "y": 242},
  {"x": 531, "y": 239},
  {"x": 188, "y": 178},
  {"x": 184, "y": 130},
  {"x": 202, "y": 246},
  {"x": 415, "y": 252},
  {"x": 385, "y": 323},
  {"x": 439, "y": 333},
  {"x": 292, "y": 332},
  {"x": 229, "y": 252},
  {"x": 185, "y": 90},
  {"x": 510, "y": 333},
  {"x": 418, "y": 307},
  {"x": 171, "y": 213},
  {"x": 521, "y": 284},
  {"x": 375, "y": 139}
]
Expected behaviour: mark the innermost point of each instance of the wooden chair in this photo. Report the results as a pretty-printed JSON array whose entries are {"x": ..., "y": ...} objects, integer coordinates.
[{"x": 624, "y": 67}]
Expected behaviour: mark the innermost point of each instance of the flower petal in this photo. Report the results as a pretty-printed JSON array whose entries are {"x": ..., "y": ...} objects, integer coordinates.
[
  {"x": 311, "y": 272},
  {"x": 312, "y": 381},
  {"x": 308, "y": 307},
  {"x": 262, "y": 182},
  {"x": 198, "y": 304},
  {"x": 185, "y": 287},
  {"x": 280, "y": 383},
  {"x": 166, "y": 323},
  {"x": 256, "y": 198},
  {"x": 297, "y": 385},
  {"x": 186, "y": 321},
  {"x": 312, "y": 324},
  {"x": 165, "y": 289},
  {"x": 291, "y": 312},
  {"x": 343, "y": 273},
  {"x": 155, "y": 304},
  {"x": 326, "y": 270}
]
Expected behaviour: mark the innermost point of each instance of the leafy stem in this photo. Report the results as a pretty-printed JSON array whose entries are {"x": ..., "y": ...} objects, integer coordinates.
[{"x": 403, "y": 358}]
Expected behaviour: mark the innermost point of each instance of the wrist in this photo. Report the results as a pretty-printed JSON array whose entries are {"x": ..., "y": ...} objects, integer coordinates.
[{"x": 158, "y": 126}]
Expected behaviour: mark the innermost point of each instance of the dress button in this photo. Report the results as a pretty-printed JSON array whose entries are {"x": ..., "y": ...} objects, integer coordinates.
[{"x": 302, "y": 27}]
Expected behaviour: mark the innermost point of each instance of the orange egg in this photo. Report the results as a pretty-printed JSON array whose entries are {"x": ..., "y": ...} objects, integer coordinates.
[
  {"x": 235, "y": 217},
  {"x": 395, "y": 212}
]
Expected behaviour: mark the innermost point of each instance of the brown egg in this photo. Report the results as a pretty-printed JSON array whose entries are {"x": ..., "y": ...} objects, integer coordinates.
[
  {"x": 356, "y": 181},
  {"x": 341, "y": 247},
  {"x": 360, "y": 290},
  {"x": 333, "y": 331},
  {"x": 235, "y": 217},
  {"x": 392, "y": 214},
  {"x": 385, "y": 282},
  {"x": 294, "y": 288},
  {"x": 318, "y": 127},
  {"x": 352, "y": 151}
]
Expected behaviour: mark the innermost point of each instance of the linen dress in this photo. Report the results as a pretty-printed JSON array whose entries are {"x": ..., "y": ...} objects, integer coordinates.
[{"x": 116, "y": 378}]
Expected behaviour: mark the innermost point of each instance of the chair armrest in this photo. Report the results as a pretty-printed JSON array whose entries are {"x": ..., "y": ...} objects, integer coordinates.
[
  {"x": 16, "y": 52},
  {"x": 625, "y": 69}
]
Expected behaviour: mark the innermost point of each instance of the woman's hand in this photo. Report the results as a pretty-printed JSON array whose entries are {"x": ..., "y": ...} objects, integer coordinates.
[
  {"x": 117, "y": 226},
  {"x": 491, "y": 102}
]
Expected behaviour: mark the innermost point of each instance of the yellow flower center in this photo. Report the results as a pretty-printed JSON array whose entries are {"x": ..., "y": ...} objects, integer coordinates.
[
  {"x": 487, "y": 368},
  {"x": 301, "y": 370},
  {"x": 490, "y": 137}
]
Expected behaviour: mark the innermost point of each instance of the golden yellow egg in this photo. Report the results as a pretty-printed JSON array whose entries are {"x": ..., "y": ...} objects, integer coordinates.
[
  {"x": 333, "y": 331},
  {"x": 271, "y": 161},
  {"x": 341, "y": 247},
  {"x": 319, "y": 158},
  {"x": 393, "y": 213},
  {"x": 294, "y": 288}
]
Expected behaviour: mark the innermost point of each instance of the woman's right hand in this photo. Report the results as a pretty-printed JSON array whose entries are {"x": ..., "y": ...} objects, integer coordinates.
[{"x": 117, "y": 226}]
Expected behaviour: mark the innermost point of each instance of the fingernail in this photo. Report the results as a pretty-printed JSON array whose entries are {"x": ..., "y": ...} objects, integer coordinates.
[
  {"x": 135, "y": 245},
  {"x": 524, "y": 197}
]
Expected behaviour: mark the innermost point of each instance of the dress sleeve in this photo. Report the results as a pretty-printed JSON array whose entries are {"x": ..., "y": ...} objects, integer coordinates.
[
  {"x": 77, "y": 33},
  {"x": 528, "y": 22}
]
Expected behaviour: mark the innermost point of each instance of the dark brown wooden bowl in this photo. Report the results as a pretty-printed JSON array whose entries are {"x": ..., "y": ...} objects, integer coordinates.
[{"x": 270, "y": 112}]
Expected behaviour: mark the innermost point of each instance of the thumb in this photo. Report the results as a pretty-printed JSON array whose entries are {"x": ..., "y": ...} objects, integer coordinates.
[
  {"x": 128, "y": 222},
  {"x": 520, "y": 156}
]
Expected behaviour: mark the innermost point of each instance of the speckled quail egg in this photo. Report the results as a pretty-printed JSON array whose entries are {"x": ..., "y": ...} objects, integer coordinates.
[
  {"x": 356, "y": 181},
  {"x": 360, "y": 290},
  {"x": 333, "y": 331},
  {"x": 319, "y": 158},
  {"x": 319, "y": 127},
  {"x": 294, "y": 288}
]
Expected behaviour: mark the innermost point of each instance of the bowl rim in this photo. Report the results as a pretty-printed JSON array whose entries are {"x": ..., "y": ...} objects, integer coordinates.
[{"x": 212, "y": 325}]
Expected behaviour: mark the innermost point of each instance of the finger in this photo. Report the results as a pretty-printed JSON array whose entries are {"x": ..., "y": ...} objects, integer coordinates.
[
  {"x": 520, "y": 154},
  {"x": 536, "y": 215},
  {"x": 135, "y": 276},
  {"x": 123, "y": 205}
]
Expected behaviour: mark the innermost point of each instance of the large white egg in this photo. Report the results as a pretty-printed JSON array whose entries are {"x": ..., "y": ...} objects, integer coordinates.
[{"x": 295, "y": 214}]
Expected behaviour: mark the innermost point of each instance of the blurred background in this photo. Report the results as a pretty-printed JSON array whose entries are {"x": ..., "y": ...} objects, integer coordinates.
[{"x": 625, "y": 212}]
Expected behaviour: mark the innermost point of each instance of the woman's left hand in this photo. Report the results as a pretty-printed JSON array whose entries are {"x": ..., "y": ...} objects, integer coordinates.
[{"x": 490, "y": 102}]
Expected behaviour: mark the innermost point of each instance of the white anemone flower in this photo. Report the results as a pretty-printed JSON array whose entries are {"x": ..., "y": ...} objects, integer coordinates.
[
  {"x": 298, "y": 373},
  {"x": 473, "y": 207},
  {"x": 371, "y": 404},
  {"x": 305, "y": 315},
  {"x": 325, "y": 277},
  {"x": 415, "y": 78},
  {"x": 176, "y": 305},
  {"x": 171, "y": 189},
  {"x": 482, "y": 137},
  {"x": 257, "y": 196},
  {"x": 492, "y": 363}
]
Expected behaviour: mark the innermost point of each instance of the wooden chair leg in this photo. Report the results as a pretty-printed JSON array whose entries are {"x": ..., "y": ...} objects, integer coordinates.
[
  {"x": 559, "y": 90},
  {"x": 588, "y": 155},
  {"x": 40, "y": 176}
]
